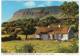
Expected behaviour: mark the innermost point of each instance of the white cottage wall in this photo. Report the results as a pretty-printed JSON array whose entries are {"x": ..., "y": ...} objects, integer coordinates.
[
  {"x": 37, "y": 36},
  {"x": 51, "y": 36},
  {"x": 58, "y": 36},
  {"x": 65, "y": 37},
  {"x": 44, "y": 36}
]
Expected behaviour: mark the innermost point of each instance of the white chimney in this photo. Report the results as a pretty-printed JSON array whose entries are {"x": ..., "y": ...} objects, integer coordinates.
[
  {"x": 48, "y": 26},
  {"x": 59, "y": 26}
]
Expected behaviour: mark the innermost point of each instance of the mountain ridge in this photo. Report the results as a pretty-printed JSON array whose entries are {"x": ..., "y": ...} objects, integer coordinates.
[{"x": 36, "y": 12}]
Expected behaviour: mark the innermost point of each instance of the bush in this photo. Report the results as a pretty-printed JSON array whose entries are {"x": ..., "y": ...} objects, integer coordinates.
[
  {"x": 75, "y": 45},
  {"x": 18, "y": 38},
  {"x": 65, "y": 40},
  {"x": 25, "y": 49},
  {"x": 74, "y": 48},
  {"x": 63, "y": 50},
  {"x": 10, "y": 38},
  {"x": 4, "y": 39},
  {"x": 71, "y": 49},
  {"x": 3, "y": 51}
]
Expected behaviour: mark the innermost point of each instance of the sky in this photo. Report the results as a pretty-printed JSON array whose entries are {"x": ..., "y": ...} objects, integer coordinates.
[{"x": 10, "y": 7}]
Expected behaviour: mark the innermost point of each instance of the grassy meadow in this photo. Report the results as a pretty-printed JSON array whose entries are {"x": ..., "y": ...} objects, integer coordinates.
[{"x": 39, "y": 46}]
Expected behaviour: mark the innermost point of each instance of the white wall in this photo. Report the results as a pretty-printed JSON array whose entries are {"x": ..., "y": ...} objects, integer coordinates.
[
  {"x": 65, "y": 37},
  {"x": 37, "y": 36},
  {"x": 51, "y": 36},
  {"x": 44, "y": 36},
  {"x": 58, "y": 36}
]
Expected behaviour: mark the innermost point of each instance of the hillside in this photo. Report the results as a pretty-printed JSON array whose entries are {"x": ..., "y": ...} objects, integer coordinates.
[{"x": 36, "y": 12}]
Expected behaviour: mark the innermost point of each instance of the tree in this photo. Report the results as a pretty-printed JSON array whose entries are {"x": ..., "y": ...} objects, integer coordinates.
[
  {"x": 50, "y": 20},
  {"x": 4, "y": 24},
  {"x": 29, "y": 30},
  {"x": 8, "y": 27},
  {"x": 27, "y": 26},
  {"x": 70, "y": 9},
  {"x": 47, "y": 21}
]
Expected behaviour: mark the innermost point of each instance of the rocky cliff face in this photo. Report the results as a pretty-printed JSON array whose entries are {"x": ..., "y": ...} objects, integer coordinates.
[{"x": 36, "y": 12}]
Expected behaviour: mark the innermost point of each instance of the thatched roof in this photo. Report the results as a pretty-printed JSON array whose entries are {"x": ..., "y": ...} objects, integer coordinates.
[
  {"x": 41, "y": 30},
  {"x": 52, "y": 30},
  {"x": 62, "y": 30}
]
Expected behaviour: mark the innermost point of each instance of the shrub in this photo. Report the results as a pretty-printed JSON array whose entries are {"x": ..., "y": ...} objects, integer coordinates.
[
  {"x": 70, "y": 49},
  {"x": 65, "y": 40},
  {"x": 3, "y": 51},
  {"x": 28, "y": 48},
  {"x": 10, "y": 38},
  {"x": 74, "y": 46},
  {"x": 63, "y": 50},
  {"x": 4, "y": 39},
  {"x": 18, "y": 38}
]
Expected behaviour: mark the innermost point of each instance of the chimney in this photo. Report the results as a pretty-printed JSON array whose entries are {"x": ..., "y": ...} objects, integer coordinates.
[
  {"x": 48, "y": 26},
  {"x": 59, "y": 26}
]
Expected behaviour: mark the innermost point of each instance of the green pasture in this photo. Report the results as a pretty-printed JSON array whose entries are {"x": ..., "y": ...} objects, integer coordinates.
[
  {"x": 21, "y": 36},
  {"x": 40, "y": 46}
]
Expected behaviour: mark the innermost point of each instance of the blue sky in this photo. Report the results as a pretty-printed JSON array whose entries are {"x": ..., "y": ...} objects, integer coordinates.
[{"x": 10, "y": 7}]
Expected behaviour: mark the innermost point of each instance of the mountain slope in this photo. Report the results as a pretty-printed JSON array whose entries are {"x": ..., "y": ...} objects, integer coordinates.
[{"x": 36, "y": 12}]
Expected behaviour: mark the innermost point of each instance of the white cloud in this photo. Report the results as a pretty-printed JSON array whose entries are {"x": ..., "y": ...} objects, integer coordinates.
[
  {"x": 48, "y": 3},
  {"x": 40, "y": 5},
  {"x": 29, "y": 4}
]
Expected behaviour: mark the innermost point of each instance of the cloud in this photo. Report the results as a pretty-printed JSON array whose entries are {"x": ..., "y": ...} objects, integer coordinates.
[
  {"x": 46, "y": 3},
  {"x": 29, "y": 4}
]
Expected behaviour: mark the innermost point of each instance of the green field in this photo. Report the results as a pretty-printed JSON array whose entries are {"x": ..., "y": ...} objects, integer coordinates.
[
  {"x": 21, "y": 36},
  {"x": 40, "y": 46}
]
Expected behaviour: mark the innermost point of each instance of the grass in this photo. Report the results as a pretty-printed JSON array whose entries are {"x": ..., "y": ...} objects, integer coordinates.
[
  {"x": 28, "y": 48},
  {"x": 22, "y": 36},
  {"x": 39, "y": 46},
  {"x": 6, "y": 35}
]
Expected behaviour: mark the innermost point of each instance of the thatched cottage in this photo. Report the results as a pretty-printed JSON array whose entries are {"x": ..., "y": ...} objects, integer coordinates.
[{"x": 57, "y": 33}]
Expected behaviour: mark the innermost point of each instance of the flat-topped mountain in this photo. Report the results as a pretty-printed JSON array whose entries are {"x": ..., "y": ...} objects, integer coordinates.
[{"x": 36, "y": 12}]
